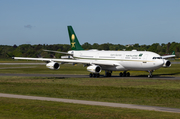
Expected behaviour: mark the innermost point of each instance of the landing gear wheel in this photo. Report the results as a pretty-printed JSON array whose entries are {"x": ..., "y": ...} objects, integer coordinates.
[
  {"x": 90, "y": 75},
  {"x": 94, "y": 75},
  {"x": 121, "y": 74},
  {"x": 128, "y": 74},
  {"x": 150, "y": 74},
  {"x": 108, "y": 73},
  {"x": 124, "y": 74},
  {"x": 97, "y": 75}
]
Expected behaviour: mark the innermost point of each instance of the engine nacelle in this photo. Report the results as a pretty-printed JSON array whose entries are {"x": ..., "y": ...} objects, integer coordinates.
[
  {"x": 53, "y": 65},
  {"x": 94, "y": 68},
  {"x": 167, "y": 63}
]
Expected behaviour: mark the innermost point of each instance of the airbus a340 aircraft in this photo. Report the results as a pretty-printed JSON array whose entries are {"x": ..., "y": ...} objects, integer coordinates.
[{"x": 97, "y": 60}]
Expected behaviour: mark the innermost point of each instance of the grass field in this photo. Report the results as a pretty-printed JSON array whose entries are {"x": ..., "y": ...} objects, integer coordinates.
[
  {"x": 31, "y": 109},
  {"x": 132, "y": 91},
  {"x": 141, "y": 91}
]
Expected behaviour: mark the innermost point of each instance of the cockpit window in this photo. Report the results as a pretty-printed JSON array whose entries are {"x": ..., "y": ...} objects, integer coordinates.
[{"x": 157, "y": 58}]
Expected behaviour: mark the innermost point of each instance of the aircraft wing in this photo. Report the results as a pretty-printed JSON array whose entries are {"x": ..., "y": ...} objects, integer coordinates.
[
  {"x": 168, "y": 56},
  {"x": 78, "y": 61},
  {"x": 58, "y": 52}
]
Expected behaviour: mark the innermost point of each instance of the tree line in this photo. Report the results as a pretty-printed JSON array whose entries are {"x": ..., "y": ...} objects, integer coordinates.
[{"x": 28, "y": 50}]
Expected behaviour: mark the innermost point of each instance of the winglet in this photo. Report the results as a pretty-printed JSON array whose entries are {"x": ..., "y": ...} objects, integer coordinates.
[{"x": 75, "y": 45}]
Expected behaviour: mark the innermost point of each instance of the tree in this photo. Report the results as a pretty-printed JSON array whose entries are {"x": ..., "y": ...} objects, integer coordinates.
[
  {"x": 86, "y": 46},
  {"x": 95, "y": 46},
  {"x": 104, "y": 46},
  {"x": 14, "y": 46},
  {"x": 153, "y": 47},
  {"x": 167, "y": 48},
  {"x": 28, "y": 50}
]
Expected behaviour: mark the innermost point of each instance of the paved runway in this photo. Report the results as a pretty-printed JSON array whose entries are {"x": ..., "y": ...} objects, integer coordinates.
[
  {"x": 175, "y": 62},
  {"x": 96, "y": 103},
  {"x": 87, "y": 76},
  {"x": 77, "y": 76},
  {"x": 47, "y": 75}
]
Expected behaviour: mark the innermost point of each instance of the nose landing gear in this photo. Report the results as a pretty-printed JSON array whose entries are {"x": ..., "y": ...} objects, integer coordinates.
[{"x": 150, "y": 74}]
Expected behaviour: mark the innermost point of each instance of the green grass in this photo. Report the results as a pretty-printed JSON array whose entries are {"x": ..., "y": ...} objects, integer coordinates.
[
  {"x": 131, "y": 91},
  {"x": 28, "y": 109},
  {"x": 154, "y": 92}
]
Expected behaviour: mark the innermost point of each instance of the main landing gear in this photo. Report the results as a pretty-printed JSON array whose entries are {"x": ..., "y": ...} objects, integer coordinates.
[
  {"x": 150, "y": 74},
  {"x": 124, "y": 74},
  {"x": 108, "y": 73},
  {"x": 94, "y": 75},
  {"x": 121, "y": 74}
]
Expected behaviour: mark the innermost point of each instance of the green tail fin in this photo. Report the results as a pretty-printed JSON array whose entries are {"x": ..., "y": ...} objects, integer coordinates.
[
  {"x": 173, "y": 53},
  {"x": 75, "y": 45}
]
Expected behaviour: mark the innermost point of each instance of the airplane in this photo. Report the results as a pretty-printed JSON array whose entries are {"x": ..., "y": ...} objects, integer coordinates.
[{"x": 98, "y": 60}]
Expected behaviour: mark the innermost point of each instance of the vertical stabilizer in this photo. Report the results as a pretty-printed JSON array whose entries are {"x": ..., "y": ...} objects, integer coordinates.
[{"x": 75, "y": 45}]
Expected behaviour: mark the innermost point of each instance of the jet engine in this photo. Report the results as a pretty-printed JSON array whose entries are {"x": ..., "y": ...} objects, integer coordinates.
[
  {"x": 53, "y": 65},
  {"x": 94, "y": 68},
  {"x": 167, "y": 63}
]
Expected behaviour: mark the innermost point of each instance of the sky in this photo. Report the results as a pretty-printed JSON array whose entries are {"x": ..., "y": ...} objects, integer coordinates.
[{"x": 94, "y": 21}]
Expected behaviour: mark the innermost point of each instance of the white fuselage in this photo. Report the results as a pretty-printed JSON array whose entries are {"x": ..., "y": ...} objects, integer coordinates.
[{"x": 121, "y": 60}]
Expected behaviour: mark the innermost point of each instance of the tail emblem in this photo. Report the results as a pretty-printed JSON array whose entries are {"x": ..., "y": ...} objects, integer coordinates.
[{"x": 72, "y": 38}]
